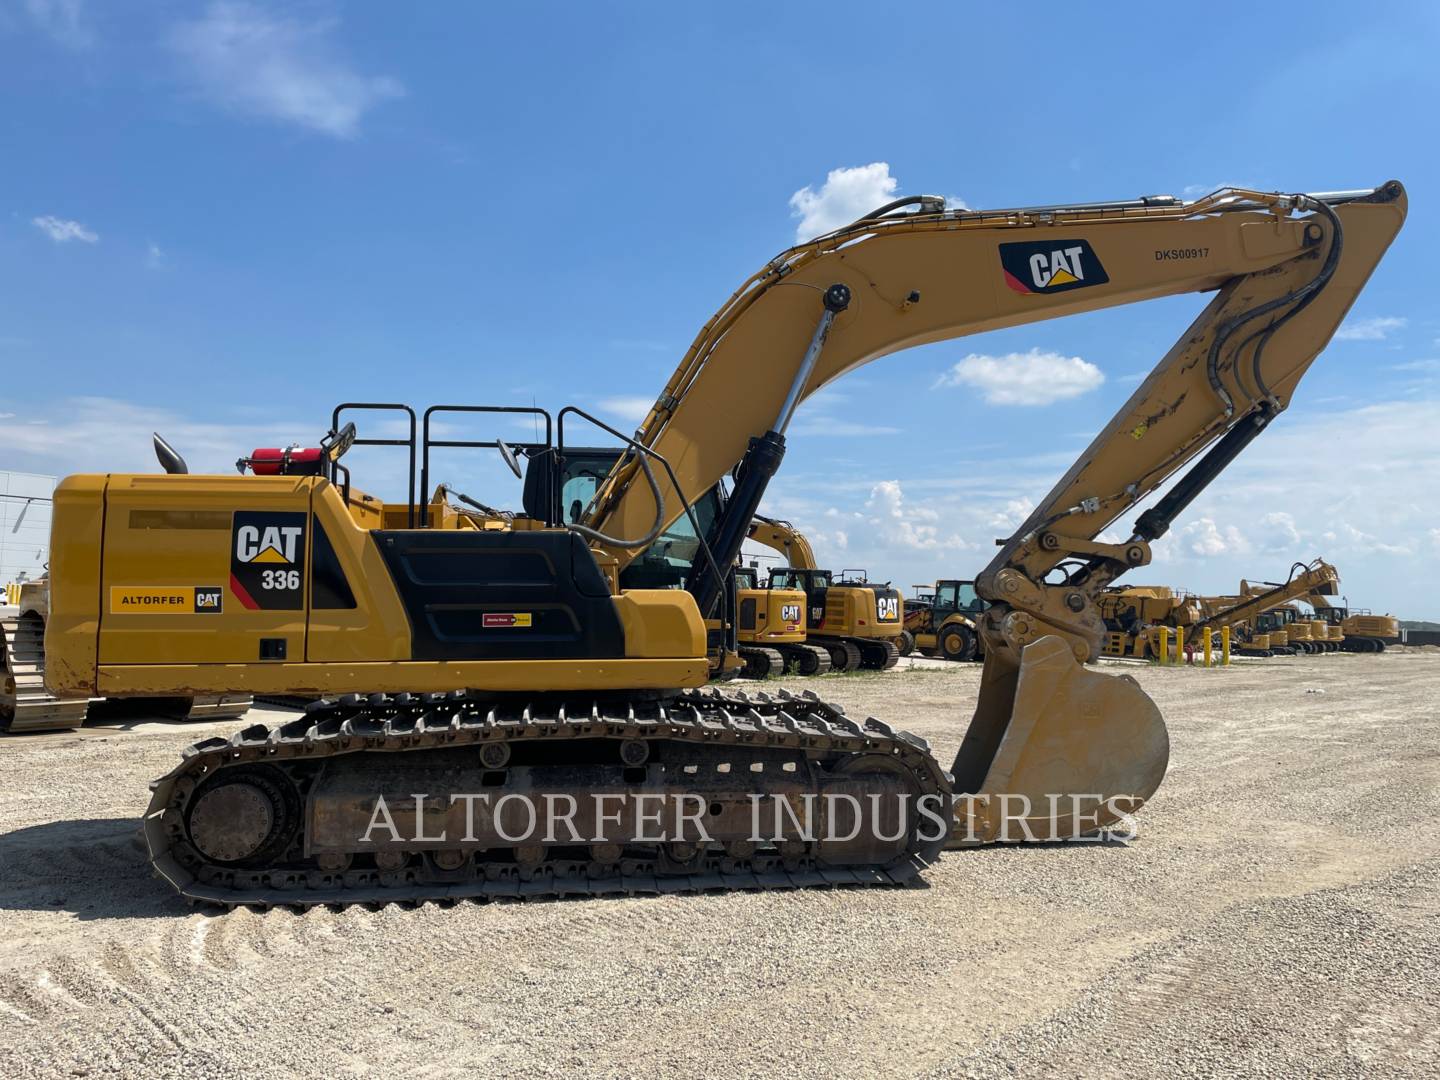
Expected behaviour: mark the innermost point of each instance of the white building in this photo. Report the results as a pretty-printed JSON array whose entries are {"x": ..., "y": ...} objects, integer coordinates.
[{"x": 24, "y": 524}]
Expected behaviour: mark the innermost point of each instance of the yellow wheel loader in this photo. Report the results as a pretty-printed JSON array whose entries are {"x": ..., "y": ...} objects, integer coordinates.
[
  {"x": 504, "y": 708},
  {"x": 857, "y": 622},
  {"x": 943, "y": 621}
]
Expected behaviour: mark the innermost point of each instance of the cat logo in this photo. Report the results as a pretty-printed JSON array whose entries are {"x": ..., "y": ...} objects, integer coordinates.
[
  {"x": 1050, "y": 266},
  {"x": 268, "y": 543},
  {"x": 887, "y": 608},
  {"x": 790, "y": 613},
  {"x": 267, "y": 559}
]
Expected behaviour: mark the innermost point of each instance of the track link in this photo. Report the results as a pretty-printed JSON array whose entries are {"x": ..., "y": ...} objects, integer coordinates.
[
  {"x": 879, "y": 655},
  {"x": 761, "y": 663},
  {"x": 759, "y": 727},
  {"x": 844, "y": 653},
  {"x": 806, "y": 660}
]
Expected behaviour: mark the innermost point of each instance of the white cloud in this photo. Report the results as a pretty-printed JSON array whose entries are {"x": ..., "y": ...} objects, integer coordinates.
[
  {"x": 1346, "y": 536},
  {"x": 259, "y": 64},
  {"x": 1028, "y": 378},
  {"x": 1008, "y": 517},
  {"x": 817, "y": 417},
  {"x": 62, "y": 231},
  {"x": 63, "y": 20},
  {"x": 98, "y": 434},
  {"x": 1207, "y": 539},
  {"x": 631, "y": 409},
  {"x": 1279, "y": 503},
  {"x": 1278, "y": 531},
  {"x": 846, "y": 195},
  {"x": 154, "y": 257},
  {"x": 907, "y": 526},
  {"x": 1375, "y": 329}
]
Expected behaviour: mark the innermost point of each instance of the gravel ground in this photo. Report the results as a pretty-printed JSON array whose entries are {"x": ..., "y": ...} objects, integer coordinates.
[{"x": 1278, "y": 915}]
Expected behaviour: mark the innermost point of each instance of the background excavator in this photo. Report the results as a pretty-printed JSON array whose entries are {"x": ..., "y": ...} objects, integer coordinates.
[
  {"x": 1358, "y": 631},
  {"x": 1249, "y": 610},
  {"x": 858, "y": 623},
  {"x": 1134, "y": 615},
  {"x": 770, "y": 629},
  {"x": 458, "y": 659},
  {"x": 1282, "y": 619}
]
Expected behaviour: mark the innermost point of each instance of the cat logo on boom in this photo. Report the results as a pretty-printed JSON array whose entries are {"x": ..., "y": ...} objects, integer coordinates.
[
  {"x": 267, "y": 555},
  {"x": 1051, "y": 266}
]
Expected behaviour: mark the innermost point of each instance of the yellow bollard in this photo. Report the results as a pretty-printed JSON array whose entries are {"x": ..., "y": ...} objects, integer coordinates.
[
  {"x": 1225, "y": 645},
  {"x": 1207, "y": 649},
  {"x": 1164, "y": 645}
]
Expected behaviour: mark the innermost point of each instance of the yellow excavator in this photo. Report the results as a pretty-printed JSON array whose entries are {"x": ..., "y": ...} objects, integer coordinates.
[
  {"x": 770, "y": 630},
  {"x": 1357, "y": 631},
  {"x": 858, "y": 623},
  {"x": 1134, "y": 615},
  {"x": 488, "y": 668},
  {"x": 1282, "y": 620},
  {"x": 1248, "y": 611},
  {"x": 25, "y": 705}
]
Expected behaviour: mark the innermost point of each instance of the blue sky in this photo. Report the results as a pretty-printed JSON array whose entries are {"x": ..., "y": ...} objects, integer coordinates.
[{"x": 220, "y": 219}]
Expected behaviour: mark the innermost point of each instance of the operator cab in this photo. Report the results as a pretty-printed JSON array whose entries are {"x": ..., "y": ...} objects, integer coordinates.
[{"x": 958, "y": 596}]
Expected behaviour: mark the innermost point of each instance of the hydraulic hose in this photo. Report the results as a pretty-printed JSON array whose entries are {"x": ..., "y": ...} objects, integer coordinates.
[{"x": 1300, "y": 297}]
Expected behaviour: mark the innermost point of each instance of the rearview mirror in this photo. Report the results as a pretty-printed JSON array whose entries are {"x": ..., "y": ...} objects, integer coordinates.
[{"x": 510, "y": 458}]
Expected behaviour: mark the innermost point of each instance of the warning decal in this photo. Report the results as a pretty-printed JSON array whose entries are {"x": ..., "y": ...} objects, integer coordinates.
[{"x": 497, "y": 620}]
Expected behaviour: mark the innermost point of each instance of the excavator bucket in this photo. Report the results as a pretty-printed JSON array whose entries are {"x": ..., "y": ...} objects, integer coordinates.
[{"x": 1055, "y": 751}]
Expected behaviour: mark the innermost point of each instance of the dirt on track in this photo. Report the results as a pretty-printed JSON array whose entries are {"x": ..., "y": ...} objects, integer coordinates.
[{"x": 1278, "y": 914}]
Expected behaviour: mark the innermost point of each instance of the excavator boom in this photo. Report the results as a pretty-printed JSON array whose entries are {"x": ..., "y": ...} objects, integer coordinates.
[
  {"x": 1318, "y": 578},
  {"x": 1284, "y": 268}
]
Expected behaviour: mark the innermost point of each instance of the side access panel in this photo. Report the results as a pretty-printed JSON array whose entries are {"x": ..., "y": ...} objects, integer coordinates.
[
  {"x": 204, "y": 570},
  {"x": 502, "y": 595}
]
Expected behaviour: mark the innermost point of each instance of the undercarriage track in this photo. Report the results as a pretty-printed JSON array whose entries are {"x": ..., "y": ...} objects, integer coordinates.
[
  {"x": 252, "y": 820},
  {"x": 25, "y": 704}
]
